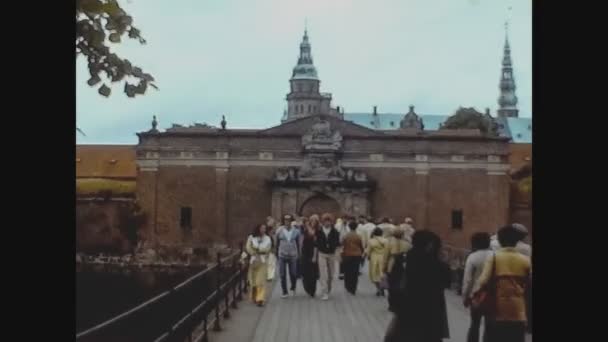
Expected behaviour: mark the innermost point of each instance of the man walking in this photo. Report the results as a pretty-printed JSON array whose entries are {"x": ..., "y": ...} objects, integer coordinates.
[{"x": 328, "y": 240}]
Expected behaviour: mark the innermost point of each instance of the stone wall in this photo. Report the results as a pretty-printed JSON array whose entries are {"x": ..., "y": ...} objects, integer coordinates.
[{"x": 104, "y": 226}]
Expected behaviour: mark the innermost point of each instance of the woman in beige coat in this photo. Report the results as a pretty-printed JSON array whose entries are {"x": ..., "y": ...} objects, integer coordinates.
[
  {"x": 258, "y": 248},
  {"x": 376, "y": 253}
]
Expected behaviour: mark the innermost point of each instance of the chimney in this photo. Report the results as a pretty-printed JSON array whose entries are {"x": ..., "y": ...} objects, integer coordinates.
[
  {"x": 338, "y": 109},
  {"x": 411, "y": 109},
  {"x": 375, "y": 108}
]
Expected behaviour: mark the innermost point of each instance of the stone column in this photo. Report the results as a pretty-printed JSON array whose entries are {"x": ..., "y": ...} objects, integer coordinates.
[
  {"x": 221, "y": 206},
  {"x": 421, "y": 215}
]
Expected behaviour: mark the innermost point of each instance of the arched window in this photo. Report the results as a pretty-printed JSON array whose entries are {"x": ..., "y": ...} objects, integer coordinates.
[
  {"x": 314, "y": 109},
  {"x": 309, "y": 108}
]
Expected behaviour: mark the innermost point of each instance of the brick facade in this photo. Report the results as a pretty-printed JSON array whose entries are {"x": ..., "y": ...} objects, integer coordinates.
[{"x": 224, "y": 176}]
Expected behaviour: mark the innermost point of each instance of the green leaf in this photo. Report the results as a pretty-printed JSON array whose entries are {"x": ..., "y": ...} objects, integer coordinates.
[
  {"x": 93, "y": 80},
  {"x": 91, "y": 6},
  {"x": 112, "y": 8},
  {"x": 137, "y": 72},
  {"x": 104, "y": 90},
  {"x": 115, "y": 38}
]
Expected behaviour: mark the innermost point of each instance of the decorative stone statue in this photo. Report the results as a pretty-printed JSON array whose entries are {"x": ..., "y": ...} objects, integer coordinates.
[
  {"x": 360, "y": 177},
  {"x": 281, "y": 175},
  {"x": 349, "y": 175},
  {"x": 154, "y": 123},
  {"x": 223, "y": 123},
  {"x": 320, "y": 137}
]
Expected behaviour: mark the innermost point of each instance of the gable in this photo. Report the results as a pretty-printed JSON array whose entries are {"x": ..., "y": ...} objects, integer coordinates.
[{"x": 301, "y": 126}]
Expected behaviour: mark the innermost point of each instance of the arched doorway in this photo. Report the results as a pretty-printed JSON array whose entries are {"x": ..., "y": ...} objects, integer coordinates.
[{"x": 320, "y": 204}]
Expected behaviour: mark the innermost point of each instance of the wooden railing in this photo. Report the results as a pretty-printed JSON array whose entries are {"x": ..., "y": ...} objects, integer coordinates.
[{"x": 183, "y": 313}]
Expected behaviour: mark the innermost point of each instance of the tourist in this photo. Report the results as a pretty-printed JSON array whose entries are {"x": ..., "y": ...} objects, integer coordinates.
[
  {"x": 342, "y": 228},
  {"x": 288, "y": 251},
  {"x": 421, "y": 313},
  {"x": 309, "y": 255},
  {"x": 352, "y": 251},
  {"x": 387, "y": 227},
  {"x": 506, "y": 274},
  {"x": 525, "y": 249},
  {"x": 272, "y": 259},
  {"x": 258, "y": 247},
  {"x": 376, "y": 254},
  {"x": 480, "y": 251},
  {"x": 398, "y": 246},
  {"x": 328, "y": 240},
  {"x": 521, "y": 246},
  {"x": 408, "y": 228}
]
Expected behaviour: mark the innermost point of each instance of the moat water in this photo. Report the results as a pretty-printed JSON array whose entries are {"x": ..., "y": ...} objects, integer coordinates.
[{"x": 103, "y": 295}]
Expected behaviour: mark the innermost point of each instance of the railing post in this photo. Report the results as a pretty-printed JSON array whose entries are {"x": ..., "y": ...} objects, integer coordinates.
[
  {"x": 226, "y": 294},
  {"x": 234, "y": 283},
  {"x": 205, "y": 331},
  {"x": 218, "y": 297}
]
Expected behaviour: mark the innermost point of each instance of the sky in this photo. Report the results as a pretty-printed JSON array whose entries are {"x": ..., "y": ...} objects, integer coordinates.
[{"x": 234, "y": 57}]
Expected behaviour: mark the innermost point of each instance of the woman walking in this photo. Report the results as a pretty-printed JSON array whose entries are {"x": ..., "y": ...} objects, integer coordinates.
[
  {"x": 310, "y": 267},
  {"x": 421, "y": 314},
  {"x": 258, "y": 248},
  {"x": 376, "y": 253},
  {"x": 397, "y": 247}
]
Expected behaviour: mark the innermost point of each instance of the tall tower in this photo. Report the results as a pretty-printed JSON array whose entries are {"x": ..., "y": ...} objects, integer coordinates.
[
  {"x": 304, "y": 99},
  {"x": 507, "y": 101}
]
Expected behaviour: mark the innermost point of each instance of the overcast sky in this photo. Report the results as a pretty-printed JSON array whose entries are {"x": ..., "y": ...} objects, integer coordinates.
[{"x": 234, "y": 57}]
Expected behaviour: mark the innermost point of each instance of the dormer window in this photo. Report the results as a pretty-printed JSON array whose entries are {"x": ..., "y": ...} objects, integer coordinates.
[{"x": 392, "y": 123}]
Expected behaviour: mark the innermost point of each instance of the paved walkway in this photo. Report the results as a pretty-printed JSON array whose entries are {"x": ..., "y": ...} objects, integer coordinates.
[{"x": 343, "y": 318}]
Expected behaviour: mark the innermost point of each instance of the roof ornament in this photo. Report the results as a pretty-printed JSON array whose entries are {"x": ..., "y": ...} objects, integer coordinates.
[{"x": 223, "y": 123}]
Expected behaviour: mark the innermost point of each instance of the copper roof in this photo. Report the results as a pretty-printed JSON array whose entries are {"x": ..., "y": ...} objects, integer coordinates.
[{"x": 105, "y": 161}]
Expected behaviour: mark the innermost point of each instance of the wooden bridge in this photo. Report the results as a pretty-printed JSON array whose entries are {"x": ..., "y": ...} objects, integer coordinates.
[
  {"x": 212, "y": 306},
  {"x": 343, "y": 318}
]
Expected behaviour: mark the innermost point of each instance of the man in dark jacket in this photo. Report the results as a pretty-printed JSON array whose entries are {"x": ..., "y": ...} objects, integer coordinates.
[{"x": 328, "y": 240}]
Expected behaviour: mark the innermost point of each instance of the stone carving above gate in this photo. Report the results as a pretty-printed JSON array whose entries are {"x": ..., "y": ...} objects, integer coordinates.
[
  {"x": 320, "y": 137},
  {"x": 320, "y": 169}
]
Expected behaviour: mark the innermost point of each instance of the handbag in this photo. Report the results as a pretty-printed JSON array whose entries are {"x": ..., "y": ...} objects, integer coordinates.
[{"x": 484, "y": 300}]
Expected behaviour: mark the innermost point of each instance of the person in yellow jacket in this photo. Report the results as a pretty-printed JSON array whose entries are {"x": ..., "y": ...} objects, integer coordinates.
[
  {"x": 510, "y": 273},
  {"x": 376, "y": 253},
  {"x": 258, "y": 247}
]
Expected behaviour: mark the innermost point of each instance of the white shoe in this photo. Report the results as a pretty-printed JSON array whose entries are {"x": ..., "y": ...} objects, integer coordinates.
[
  {"x": 283, "y": 296},
  {"x": 293, "y": 293},
  {"x": 325, "y": 297}
]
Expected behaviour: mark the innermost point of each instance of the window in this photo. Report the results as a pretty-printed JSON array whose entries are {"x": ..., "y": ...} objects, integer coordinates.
[
  {"x": 314, "y": 109},
  {"x": 185, "y": 219},
  {"x": 457, "y": 219},
  {"x": 309, "y": 108}
]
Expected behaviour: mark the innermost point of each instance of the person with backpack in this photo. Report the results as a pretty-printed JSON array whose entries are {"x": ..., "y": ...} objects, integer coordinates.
[{"x": 505, "y": 279}]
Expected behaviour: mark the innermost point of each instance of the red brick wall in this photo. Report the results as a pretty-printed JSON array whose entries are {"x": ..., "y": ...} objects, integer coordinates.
[
  {"x": 428, "y": 199},
  {"x": 98, "y": 227},
  {"x": 249, "y": 200}
]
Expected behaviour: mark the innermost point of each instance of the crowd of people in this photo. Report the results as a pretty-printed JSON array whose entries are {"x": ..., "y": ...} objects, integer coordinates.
[{"x": 402, "y": 261}]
